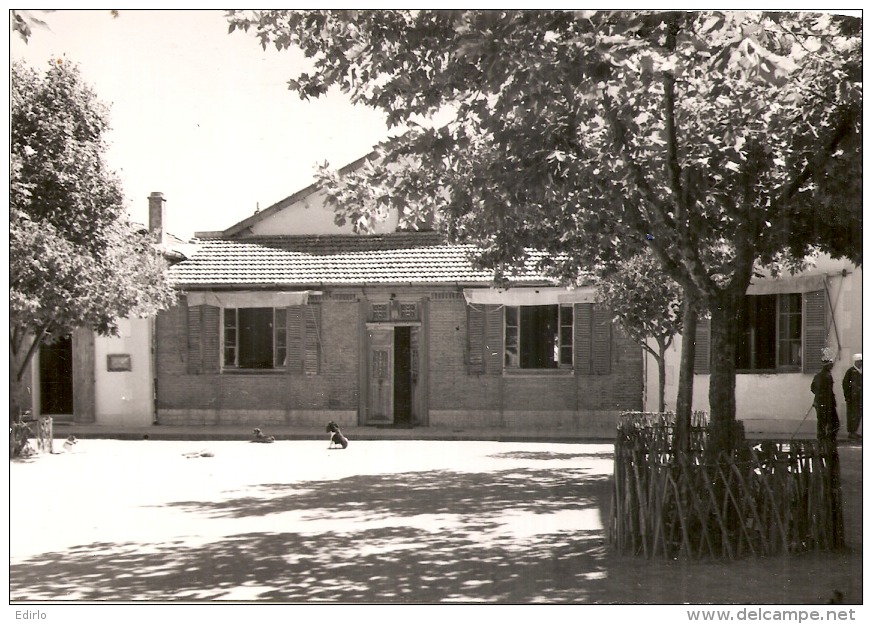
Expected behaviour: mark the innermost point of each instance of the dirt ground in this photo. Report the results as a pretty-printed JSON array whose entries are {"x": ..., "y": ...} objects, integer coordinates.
[{"x": 383, "y": 522}]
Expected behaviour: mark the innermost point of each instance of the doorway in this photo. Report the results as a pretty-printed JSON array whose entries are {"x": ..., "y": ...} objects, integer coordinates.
[
  {"x": 392, "y": 375},
  {"x": 56, "y": 379},
  {"x": 403, "y": 376}
]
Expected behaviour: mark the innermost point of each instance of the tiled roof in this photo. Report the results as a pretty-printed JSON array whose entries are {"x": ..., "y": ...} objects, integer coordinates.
[
  {"x": 402, "y": 258},
  {"x": 332, "y": 244}
]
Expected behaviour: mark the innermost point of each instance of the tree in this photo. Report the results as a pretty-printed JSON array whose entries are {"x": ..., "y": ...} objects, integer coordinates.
[
  {"x": 722, "y": 141},
  {"x": 23, "y": 22},
  {"x": 74, "y": 260},
  {"x": 647, "y": 305}
]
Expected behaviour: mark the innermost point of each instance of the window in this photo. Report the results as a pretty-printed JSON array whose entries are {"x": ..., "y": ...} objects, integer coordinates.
[
  {"x": 255, "y": 338},
  {"x": 574, "y": 338},
  {"x": 770, "y": 333},
  {"x": 778, "y": 333},
  {"x": 538, "y": 337},
  {"x": 790, "y": 330}
]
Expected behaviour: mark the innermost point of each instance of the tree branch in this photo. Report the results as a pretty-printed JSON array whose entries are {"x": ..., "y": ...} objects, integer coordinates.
[
  {"x": 690, "y": 275},
  {"x": 669, "y": 119},
  {"x": 840, "y": 132},
  {"x": 638, "y": 338},
  {"x": 16, "y": 336},
  {"x": 37, "y": 341}
]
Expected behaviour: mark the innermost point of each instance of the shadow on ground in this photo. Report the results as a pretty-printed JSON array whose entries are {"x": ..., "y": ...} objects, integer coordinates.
[
  {"x": 429, "y": 537},
  {"x": 383, "y": 556}
]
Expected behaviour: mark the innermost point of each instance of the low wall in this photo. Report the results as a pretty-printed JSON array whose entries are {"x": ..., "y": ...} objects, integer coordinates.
[
  {"x": 593, "y": 423},
  {"x": 257, "y": 418}
]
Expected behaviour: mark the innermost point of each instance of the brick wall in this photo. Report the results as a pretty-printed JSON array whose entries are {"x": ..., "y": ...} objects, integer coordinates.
[
  {"x": 590, "y": 402},
  {"x": 455, "y": 397},
  {"x": 273, "y": 397}
]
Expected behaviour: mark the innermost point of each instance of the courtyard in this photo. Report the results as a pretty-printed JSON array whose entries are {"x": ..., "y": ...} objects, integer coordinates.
[{"x": 383, "y": 521}]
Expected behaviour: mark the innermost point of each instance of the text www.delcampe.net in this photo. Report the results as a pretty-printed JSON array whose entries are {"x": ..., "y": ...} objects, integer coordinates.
[{"x": 757, "y": 614}]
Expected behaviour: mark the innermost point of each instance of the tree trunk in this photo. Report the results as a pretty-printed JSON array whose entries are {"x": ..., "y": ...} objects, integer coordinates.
[
  {"x": 723, "y": 435},
  {"x": 15, "y": 408},
  {"x": 20, "y": 356},
  {"x": 684, "y": 400},
  {"x": 661, "y": 379}
]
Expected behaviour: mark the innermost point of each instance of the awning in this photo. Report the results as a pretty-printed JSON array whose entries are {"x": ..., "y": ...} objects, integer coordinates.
[
  {"x": 248, "y": 298},
  {"x": 528, "y": 296},
  {"x": 786, "y": 285}
]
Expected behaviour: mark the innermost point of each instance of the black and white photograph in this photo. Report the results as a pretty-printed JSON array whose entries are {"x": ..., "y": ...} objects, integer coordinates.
[{"x": 372, "y": 308}]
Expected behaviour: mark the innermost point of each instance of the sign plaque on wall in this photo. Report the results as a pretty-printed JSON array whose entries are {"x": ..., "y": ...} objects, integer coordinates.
[{"x": 118, "y": 362}]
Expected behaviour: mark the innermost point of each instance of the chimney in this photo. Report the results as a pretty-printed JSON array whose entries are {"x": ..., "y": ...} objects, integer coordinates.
[{"x": 156, "y": 213}]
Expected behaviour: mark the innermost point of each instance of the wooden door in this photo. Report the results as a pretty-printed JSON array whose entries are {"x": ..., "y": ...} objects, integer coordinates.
[{"x": 380, "y": 352}]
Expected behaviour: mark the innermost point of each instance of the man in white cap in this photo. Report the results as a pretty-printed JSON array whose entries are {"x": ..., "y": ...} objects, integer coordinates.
[
  {"x": 852, "y": 385},
  {"x": 825, "y": 399}
]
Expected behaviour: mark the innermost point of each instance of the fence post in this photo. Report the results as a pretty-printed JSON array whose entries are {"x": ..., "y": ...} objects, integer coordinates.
[{"x": 44, "y": 435}]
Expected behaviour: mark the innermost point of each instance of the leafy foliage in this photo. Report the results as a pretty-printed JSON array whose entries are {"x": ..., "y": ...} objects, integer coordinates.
[
  {"x": 714, "y": 133},
  {"x": 720, "y": 141},
  {"x": 74, "y": 259},
  {"x": 22, "y": 22},
  {"x": 645, "y": 302}
]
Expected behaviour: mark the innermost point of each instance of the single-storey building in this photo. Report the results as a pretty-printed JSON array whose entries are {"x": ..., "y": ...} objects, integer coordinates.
[
  {"x": 85, "y": 378},
  {"x": 288, "y": 319},
  {"x": 784, "y": 326}
]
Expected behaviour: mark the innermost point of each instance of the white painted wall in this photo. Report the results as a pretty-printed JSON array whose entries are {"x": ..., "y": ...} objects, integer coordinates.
[
  {"x": 125, "y": 398},
  {"x": 311, "y": 216},
  {"x": 784, "y": 396}
]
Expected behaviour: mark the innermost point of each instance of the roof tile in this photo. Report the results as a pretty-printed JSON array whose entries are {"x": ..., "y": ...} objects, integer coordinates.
[{"x": 414, "y": 258}]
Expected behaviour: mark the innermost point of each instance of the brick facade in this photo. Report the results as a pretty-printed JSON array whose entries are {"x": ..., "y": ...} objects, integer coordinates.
[
  {"x": 453, "y": 396},
  {"x": 264, "y": 397},
  {"x": 525, "y": 400}
]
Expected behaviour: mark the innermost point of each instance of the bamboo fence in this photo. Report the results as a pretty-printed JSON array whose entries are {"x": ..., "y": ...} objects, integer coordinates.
[
  {"x": 21, "y": 431},
  {"x": 767, "y": 499},
  {"x": 44, "y": 434}
]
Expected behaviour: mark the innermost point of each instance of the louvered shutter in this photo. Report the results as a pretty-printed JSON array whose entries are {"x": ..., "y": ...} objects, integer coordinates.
[
  {"x": 601, "y": 340},
  {"x": 493, "y": 346},
  {"x": 702, "y": 348},
  {"x": 211, "y": 339},
  {"x": 814, "y": 317},
  {"x": 195, "y": 346},
  {"x": 584, "y": 338},
  {"x": 475, "y": 318},
  {"x": 304, "y": 339},
  {"x": 203, "y": 339},
  {"x": 312, "y": 323},
  {"x": 295, "y": 339}
]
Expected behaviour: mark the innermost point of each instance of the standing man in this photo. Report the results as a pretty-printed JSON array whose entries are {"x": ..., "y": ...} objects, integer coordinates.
[
  {"x": 852, "y": 385},
  {"x": 827, "y": 426},
  {"x": 825, "y": 399}
]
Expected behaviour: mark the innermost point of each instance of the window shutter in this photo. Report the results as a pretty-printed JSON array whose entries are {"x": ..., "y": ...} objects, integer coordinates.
[
  {"x": 211, "y": 342},
  {"x": 203, "y": 339},
  {"x": 814, "y": 317},
  {"x": 195, "y": 346},
  {"x": 702, "y": 350},
  {"x": 602, "y": 341},
  {"x": 304, "y": 339},
  {"x": 312, "y": 357},
  {"x": 584, "y": 338},
  {"x": 493, "y": 347},
  {"x": 295, "y": 339},
  {"x": 475, "y": 318}
]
